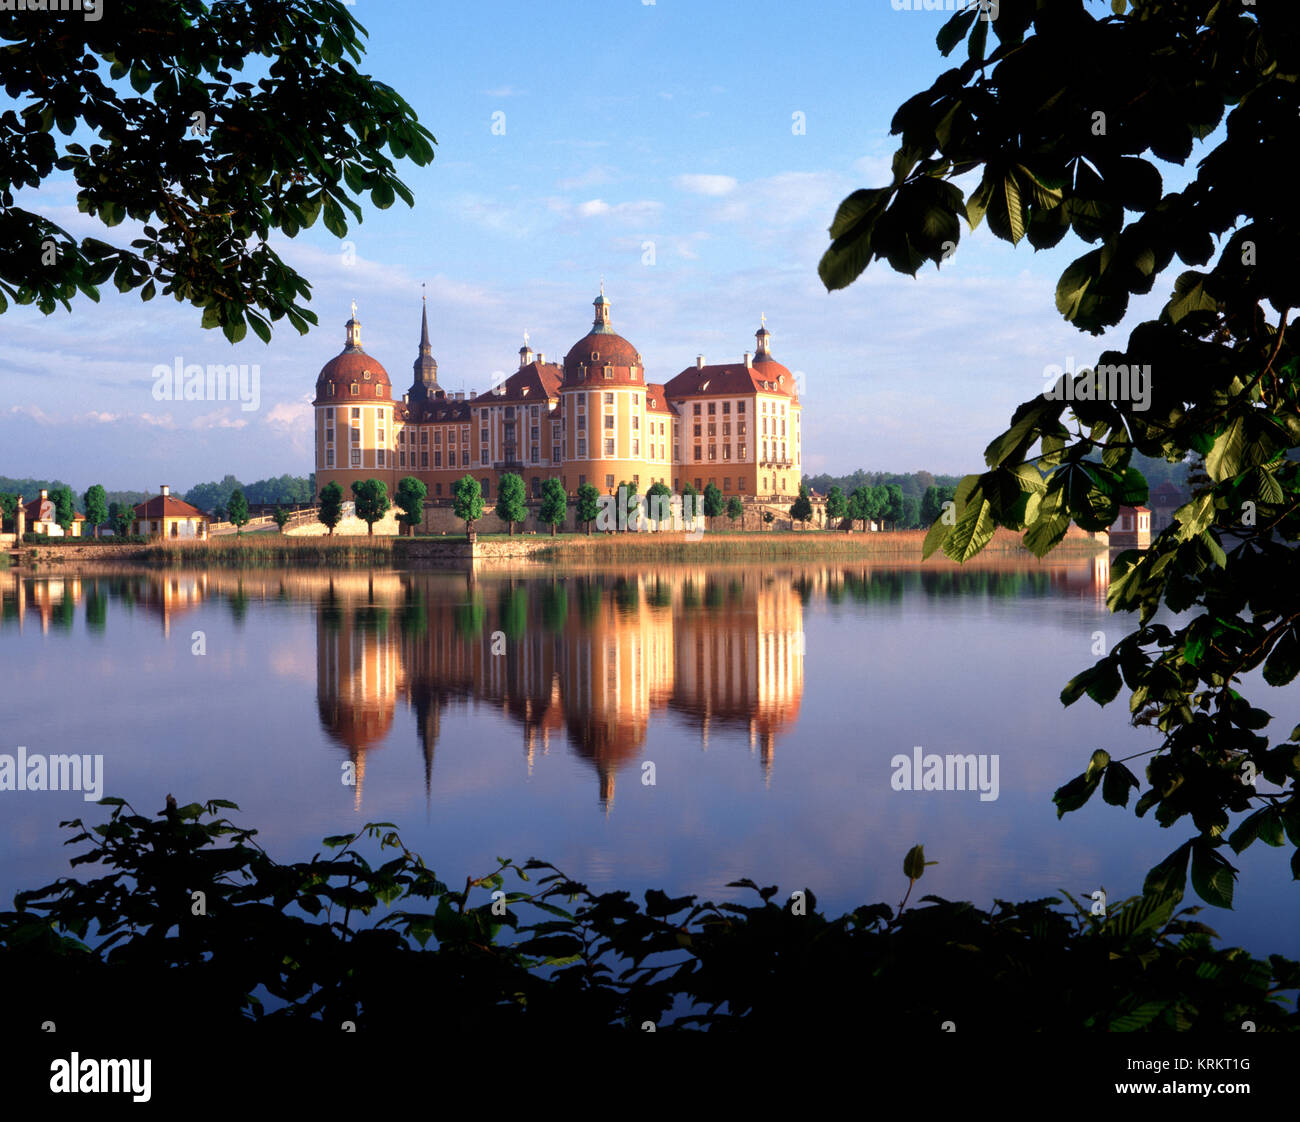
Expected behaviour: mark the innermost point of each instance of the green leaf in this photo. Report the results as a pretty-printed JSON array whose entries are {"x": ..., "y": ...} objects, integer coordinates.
[
  {"x": 1212, "y": 876},
  {"x": 1283, "y": 661},
  {"x": 1143, "y": 1015},
  {"x": 1117, "y": 783},
  {"x": 1169, "y": 878},
  {"x": 935, "y": 537},
  {"x": 1015, "y": 212},
  {"x": 954, "y": 31},
  {"x": 974, "y": 529},
  {"x": 1078, "y": 791}
]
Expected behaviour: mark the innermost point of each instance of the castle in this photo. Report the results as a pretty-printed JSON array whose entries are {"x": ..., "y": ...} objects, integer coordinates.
[{"x": 593, "y": 419}]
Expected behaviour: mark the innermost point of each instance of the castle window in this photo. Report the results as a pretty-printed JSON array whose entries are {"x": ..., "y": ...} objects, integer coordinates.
[
  {"x": 609, "y": 420},
  {"x": 379, "y": 460},
  {"x": 329, "y": 436},
  {"x": 609, "y": 482},
  {"x": 437, "y": 459},
  {"x": 712, "y": 408},
  {"x": 697, "y": 408},
  {"x": 740, "y": 407},
  {"x": 582, "y": 448},
  {"x": 356, "y": 457},
  {"x": 697, "y": 452},
  {"x": 355, "y": 389},
  {"x": 437, "y": 489},
  {"x": 726, "y": 483},
  {"x": 329, "y": 413},
  {"x": 636, "y": 448},
  {"x": 401, "y": 458},
  {"x": 609, "y": 448},
  {"x": 726, "y": 407},
  {"x": 356, "y": 413},
  {"x": 609, "y": 399},
  {"x": 555, "y": 453},
  {"x": 740, "y": 483},
  {"x": 537, "y": 487},
  {"x": 329, "y": 457},
  {"x": 451, "y": 457}
]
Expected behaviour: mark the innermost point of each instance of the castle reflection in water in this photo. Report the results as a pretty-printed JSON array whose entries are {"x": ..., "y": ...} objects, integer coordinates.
[{"x": 589, "y": 659}]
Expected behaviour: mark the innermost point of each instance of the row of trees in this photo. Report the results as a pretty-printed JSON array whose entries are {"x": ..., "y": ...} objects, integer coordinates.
[
  {"x": 372, "y": 502},
  {"x": 884, "y": 503},
  {"x": 99, "y": 511}
]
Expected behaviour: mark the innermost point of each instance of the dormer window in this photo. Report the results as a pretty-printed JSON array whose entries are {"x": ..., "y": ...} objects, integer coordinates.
[
  {"x": 609, "y": 372},
  {"x": 366, "y": 375},
  {"x": 355, "y": 389},
  {"x": 595, "y": 356}
]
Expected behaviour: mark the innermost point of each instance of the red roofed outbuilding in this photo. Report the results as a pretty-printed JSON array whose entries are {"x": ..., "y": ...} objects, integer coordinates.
[{"x": 165, "y": 516}]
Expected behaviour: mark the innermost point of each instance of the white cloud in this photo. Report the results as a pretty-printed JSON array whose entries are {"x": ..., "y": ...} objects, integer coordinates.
[
  {"x": 638, "y": 211},
  {"x": 715, "y": 185},
  {"x": 504, "y": 91},
  {"x": 290, "y": 414}
]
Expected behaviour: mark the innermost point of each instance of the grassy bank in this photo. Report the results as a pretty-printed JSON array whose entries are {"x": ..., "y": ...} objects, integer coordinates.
[
  {"x": 267, "y": 549},
  {"x": 783, "y": 546},
  {"x": 233, "y": 552}
]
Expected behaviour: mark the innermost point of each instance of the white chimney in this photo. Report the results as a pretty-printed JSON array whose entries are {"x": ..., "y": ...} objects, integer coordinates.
[
  {"x": 749, "y": 360},
  {"x": 473, "y": 394},
  {"x": 699, "y": 362},
  {"x": 166, "y": 490},
  {"x": 541, "y": 358}
]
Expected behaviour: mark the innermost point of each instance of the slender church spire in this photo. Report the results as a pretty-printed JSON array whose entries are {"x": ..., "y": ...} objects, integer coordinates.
[{"x": 425, "y": 367}]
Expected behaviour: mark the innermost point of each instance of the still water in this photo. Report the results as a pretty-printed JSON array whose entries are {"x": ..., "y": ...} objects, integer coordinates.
[{"x": 678, "y": 728}]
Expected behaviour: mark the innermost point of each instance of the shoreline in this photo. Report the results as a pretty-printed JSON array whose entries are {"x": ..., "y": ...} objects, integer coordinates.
[{"x": 528, "y": 550}]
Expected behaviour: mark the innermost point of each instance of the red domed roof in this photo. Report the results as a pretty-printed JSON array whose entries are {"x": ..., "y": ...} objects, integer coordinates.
[
  {"x": 601, "y": 347},
  {"x": 352, "y": 366}
]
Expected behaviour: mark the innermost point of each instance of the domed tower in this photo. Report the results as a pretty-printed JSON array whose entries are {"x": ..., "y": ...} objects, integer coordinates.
[
  {"x": 604, "y": 402},
  {"x": 779, "y": 406},
  {"x": 354, "y": 417}
]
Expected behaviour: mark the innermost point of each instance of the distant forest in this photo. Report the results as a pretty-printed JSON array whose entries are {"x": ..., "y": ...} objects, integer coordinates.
[
  {"x": 916, "y": 483},
  {"x": 209, "y": 497}
]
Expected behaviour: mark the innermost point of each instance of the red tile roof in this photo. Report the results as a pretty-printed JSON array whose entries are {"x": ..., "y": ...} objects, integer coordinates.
[
  {"x": 765, "y": 376},
  {"x": 656, "y": 399},
  {"x": 33, "y": 511},
  {"x": 167, "y": 506}
]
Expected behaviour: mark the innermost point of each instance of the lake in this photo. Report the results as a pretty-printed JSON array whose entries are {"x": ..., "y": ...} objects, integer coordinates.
[{"x": 677, "y": 727}]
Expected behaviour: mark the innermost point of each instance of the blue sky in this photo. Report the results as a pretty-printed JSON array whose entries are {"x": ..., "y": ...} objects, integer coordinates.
[{"x": 625, "y": 123}]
